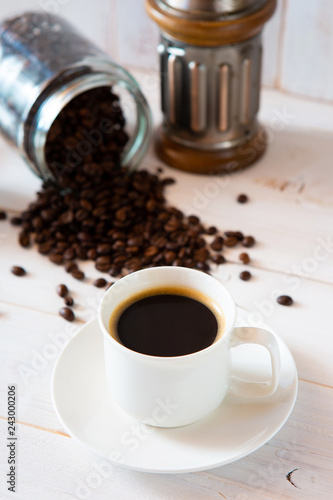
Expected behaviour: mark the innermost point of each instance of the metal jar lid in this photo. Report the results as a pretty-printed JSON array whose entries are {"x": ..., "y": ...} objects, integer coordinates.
[
  {"x": 210, "y": 9},
  {"x": 210, "y": 23}
]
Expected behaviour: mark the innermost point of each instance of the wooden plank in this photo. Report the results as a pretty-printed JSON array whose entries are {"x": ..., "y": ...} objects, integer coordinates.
[
  {"x": 307, "y": 66},
  {"x": 58, "y": 468}
]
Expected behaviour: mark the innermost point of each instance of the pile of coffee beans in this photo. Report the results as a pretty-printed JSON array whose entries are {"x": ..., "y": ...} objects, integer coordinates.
[
  {"x": 86, "y": 139},
  {"x": 123, "y": 224},
  {"x": 98, "y": 211}
]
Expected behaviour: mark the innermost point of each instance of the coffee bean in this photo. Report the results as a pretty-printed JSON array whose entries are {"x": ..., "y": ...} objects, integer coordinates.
[
  {"x": 234, "y": 234},
  {"x": 121, "y": 214},
  {"x": 150, "y": 251},
  {"x": 217, "y": 244},
  {"x": 245, "y": 275},
  {"x": 168, "y": 181},
  {"x": 103, "y": 259},
  {"x": 67, "y": 314},
  {"x": 56, "y": 258},
  {"x": 244, "y": 257},
  {"x": 201, "y": 255},
  {"x": 62, "y": 246},
  {"x": 18, "y": 271},
  {"x": 231, "y": 241},
  {"x": 3, "y": 215},
  {"x": 77, "y": 274},
  {"x": 70, "y": 266},
  {"x": 193, "y": 219},
  {"x": 211, "y": 230},
  {"x": 81, "y": 215},
  {"x": 285, "y": 300},
  {"x": 171, "y": 225},
  {"x": 239, "y": 235},
  {"x": 248, "y": 241},
  {"x": 62, "y": 290},
  {"x": 67, "y": 217},
  {"x": 102, "y": 267},
  {"x": 85, "y": 204},
  {"x": 48, "y": 214},
  {"x": 69, "y": 254},
  {"x": 37, "y": 223},
  {"x": 151, "y": 205},
  {"x": 203, "y": 266},
  {"x": 45, "y": 248},
  {"x": 242, "y": 198},
  {"x": 92, "y": 253},
  {"x": 69, "y": 301},
  {"x": 16, "y": 221},
  {"x": 169, "y": 257},
  {"x": 24, "y": 239},
  {"x": 218, "y": 259},
  {"x": 100, "y": 282}
]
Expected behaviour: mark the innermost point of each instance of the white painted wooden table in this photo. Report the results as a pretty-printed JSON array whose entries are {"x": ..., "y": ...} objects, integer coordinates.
[{"x": 290, "y": 214}]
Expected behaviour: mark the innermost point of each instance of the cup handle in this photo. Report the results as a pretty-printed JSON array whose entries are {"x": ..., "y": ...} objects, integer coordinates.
[{"x": 250, "y": 335}]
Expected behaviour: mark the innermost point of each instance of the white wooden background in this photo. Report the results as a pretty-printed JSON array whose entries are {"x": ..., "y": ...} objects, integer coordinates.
[
  {"x": 298, "y": 40},
  {"x": 290, "y": 214}
]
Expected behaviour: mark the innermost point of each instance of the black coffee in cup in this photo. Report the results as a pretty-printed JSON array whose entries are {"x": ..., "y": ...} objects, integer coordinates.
[{"x": 168, "y": 321}]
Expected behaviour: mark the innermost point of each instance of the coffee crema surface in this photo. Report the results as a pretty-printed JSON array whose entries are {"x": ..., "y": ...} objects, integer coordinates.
[{"x": 167, "y": 321}]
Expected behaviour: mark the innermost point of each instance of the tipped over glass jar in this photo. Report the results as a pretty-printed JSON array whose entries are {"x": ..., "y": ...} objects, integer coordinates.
[{"x": 60, "y": 100}]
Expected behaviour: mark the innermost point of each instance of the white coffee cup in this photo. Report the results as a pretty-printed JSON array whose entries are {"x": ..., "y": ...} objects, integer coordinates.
[{"x": 180, "y": 390}]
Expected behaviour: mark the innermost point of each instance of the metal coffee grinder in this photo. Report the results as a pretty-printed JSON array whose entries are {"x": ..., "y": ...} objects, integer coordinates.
[{"x": 210, "y": 63}]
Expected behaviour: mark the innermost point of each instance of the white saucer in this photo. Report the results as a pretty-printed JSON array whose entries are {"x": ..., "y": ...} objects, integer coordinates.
[{"x": 236, "y": 429}]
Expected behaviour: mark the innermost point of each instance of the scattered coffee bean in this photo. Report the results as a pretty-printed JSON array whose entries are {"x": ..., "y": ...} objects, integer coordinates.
[
  {"x": 168, "y": 181},
  {"x": 69, "y": 301},
  {"x": 100, "y": 282},
  {"x": 18, "y": 271},
  {"x": 70, "y": 266},
  {"x": 24, "y": 239},
  {"x": 285, "y": 300},
  {"x": 56, "y": 258},
  {"x": 3, "y": 215},
  {"x": 242, "y": 198},
  {"x": 62, "y": 290},
  {"x": 244, "y": 257},
  {"x": 248, "y": 241},
  {"x": 231, "y": 241},
  {"x": 217, "y": 243},
  {"x": 16, "y": 221},
  {"x": 245, "y": 275},
  {"x": 211, "y": 230},
  {"x": 234, "y": 234},
  {"x": 77, "y": 274},
  {"x": 67, "y": 314},
  {"x": 193, "y": 219},
  {"x": 218, "y": 259}
]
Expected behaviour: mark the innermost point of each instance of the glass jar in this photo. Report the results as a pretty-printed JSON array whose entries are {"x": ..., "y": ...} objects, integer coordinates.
[{"x": 44, "y": 64}]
